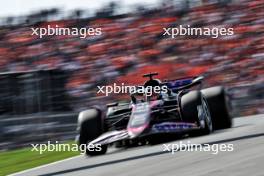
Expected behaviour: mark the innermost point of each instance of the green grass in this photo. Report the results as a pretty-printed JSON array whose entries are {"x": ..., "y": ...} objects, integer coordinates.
[{"x": 22, "y": 159}]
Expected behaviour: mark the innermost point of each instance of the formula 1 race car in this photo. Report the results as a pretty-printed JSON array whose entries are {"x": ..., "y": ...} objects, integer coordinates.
[{"x": 178, "y": 110}]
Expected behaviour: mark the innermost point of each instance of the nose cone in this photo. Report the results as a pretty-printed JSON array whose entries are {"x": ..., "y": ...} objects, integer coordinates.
[
  {"x": 136, "y": 131},
  {"x": 139, "y": 119}
]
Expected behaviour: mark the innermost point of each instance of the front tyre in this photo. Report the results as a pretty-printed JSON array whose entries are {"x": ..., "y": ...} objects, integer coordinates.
[
  {"x": 102, "y": 150},
  {"x": 90, "y": 126}
]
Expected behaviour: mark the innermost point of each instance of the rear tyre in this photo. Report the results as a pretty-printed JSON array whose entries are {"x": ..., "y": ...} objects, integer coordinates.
[
  {"x": 190, "y": 103},
  {"x": 90, "y": 127},
  {"x": 207, "y": 120},
  {"x": 217, "y": 101}
]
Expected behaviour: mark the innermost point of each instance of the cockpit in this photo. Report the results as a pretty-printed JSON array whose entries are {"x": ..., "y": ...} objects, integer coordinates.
[{"x": 152, "y": 90}]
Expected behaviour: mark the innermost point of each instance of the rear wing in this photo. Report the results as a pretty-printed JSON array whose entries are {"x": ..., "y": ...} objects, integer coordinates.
[{"x": 183, "y": 83}]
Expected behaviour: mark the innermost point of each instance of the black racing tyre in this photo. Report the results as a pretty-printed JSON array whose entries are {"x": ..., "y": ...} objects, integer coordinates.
[
  {"x": 217, "y": 101},
  {"x": 189, "y": 110},
  {"x": 90, "y": 127},
  {"x": 103, "y": 150},
  {"x": 208, "y": 124},
  {"x": 189, "y": 103}
]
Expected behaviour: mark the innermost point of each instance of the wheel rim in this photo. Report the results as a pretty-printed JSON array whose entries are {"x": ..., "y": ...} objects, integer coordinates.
[{"x": 207, "y": 115}]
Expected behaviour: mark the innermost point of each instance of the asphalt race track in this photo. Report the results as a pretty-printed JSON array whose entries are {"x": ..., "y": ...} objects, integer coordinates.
[{"x": 247, "y": 159}]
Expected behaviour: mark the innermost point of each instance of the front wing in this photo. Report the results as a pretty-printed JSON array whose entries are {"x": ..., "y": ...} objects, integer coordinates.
[{"x": 165, "y": 127}]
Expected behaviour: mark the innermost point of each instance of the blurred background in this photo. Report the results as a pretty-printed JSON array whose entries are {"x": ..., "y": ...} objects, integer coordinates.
[{"x": 44, "y": 83}]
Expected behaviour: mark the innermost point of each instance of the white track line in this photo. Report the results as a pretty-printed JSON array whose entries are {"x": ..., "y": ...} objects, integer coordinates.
[{"x": 45, "y": 165}]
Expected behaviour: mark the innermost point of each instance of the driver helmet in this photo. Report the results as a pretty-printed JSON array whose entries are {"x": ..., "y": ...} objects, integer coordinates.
[{"x": 151, "y": 92}]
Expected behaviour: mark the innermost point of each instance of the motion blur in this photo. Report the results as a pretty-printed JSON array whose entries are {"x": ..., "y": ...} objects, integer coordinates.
[{"x": 45, "y": 82}]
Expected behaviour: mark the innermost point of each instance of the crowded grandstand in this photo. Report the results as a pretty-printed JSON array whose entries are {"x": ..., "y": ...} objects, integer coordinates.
[{"x": 132, "y": 43}]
